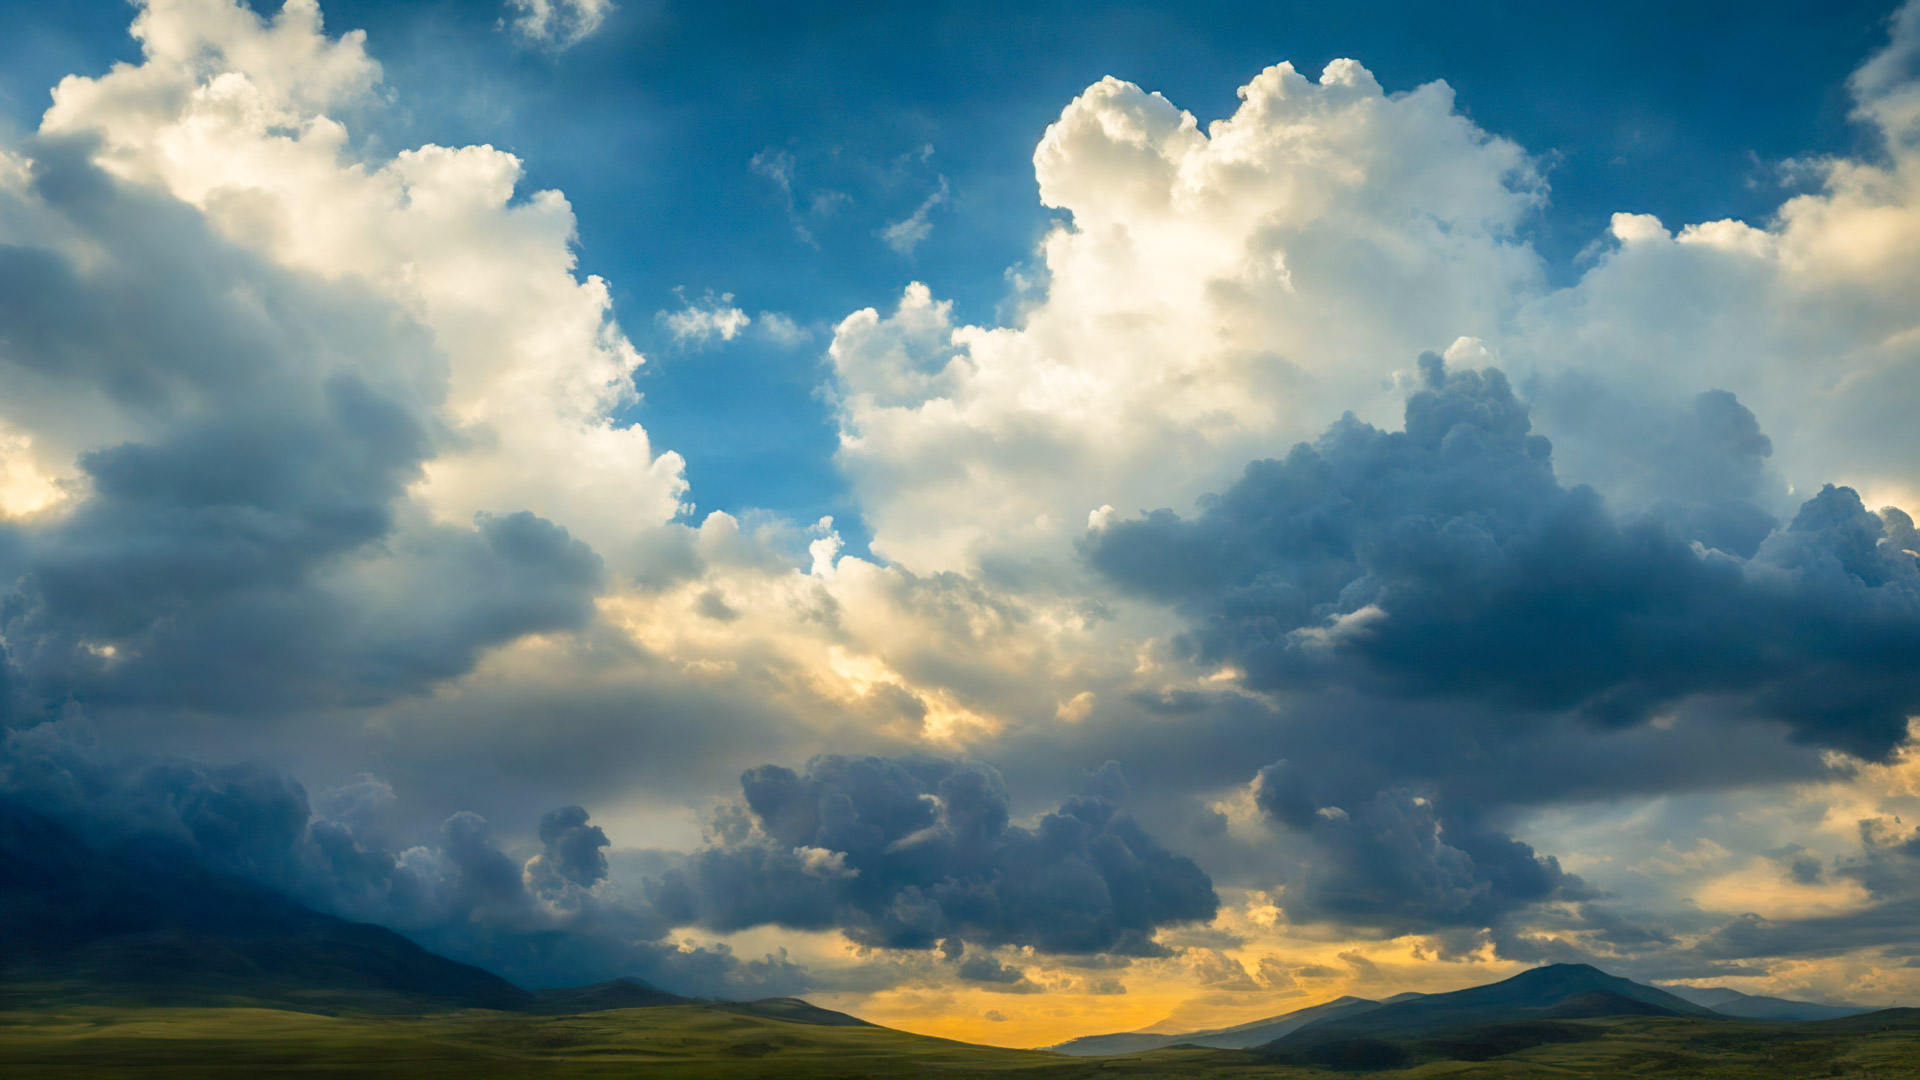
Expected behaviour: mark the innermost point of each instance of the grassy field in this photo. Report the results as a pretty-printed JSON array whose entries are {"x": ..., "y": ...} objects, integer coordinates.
[{"x": 692, "y": 1041}]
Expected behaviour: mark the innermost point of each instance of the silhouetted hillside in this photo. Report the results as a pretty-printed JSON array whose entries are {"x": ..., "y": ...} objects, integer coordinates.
[{"x": 1480, "y": 1022}]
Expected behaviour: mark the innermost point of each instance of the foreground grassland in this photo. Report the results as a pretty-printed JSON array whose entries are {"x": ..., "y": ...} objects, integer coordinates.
[{"x": 691, "y": 1041}]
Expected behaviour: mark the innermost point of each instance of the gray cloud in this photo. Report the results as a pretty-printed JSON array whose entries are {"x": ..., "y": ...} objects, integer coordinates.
[
  {"x": 1392, "y": 862},
  {"x": 1446, "y": 562},
  {"x": 906, "y": 853}
]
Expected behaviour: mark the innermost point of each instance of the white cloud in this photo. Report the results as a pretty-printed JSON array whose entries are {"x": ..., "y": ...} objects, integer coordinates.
[
  {"x": 821, "y": 863},
  {"x": 1216, "y": 295},
  {"x": 701, "y": 321},
  {"x": 231, "y": 113},
  {"x": 1808, "y": 318},
  {"x": 905, "y": 235},
  {"x": 558, "y": 24}
]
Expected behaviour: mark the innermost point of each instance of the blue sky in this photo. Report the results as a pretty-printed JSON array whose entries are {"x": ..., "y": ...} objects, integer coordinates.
[{"x": 1421, "y": 530}]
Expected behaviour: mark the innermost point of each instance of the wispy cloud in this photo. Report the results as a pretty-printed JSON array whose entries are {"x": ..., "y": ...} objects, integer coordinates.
[
  {"x": 905, "y": 235},
  {"x": 779, "y": 168},
  {"x": 556, "y": 24},
  {"x": 781, "y": 328}
]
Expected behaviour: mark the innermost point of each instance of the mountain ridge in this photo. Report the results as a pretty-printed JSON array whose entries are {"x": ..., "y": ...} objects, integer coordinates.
[{"x": 1729, "y": 1002}]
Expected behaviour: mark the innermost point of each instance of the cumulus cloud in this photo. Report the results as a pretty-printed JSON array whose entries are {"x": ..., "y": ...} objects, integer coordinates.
[
  {"x": 231, "y": 114},
  {"x": 298, "y": 419},
  {"x": 923, "y": 851},
  {"x": 1211, "y": 291},
  {"x": 1484, "y": 578},
  {"x": 238, "y": 536},
  {"x": 557, "y": 24}
]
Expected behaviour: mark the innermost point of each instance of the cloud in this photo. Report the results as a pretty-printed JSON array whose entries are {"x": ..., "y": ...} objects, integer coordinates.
[
  {"x": 924, "y": 851},
  {"x": 995, "y": 976},
  {"x": 557, "y": 24},
  {"x": 1211, "y": 293},
  {"x": 781, "y": 329},
  {"x": 521, "y": 367},
  {"x": 1482, "y": 578},
  {"x": 779, "y": 167},
  {"x": 298, "y": 425},
  {"x": 284, "y": 409},
  {"x": 1392, "y": 863},
  {"x": 239, "y": 537},
  {"x": 699, "y": 322},
  {"x": 907, "y": 233}
]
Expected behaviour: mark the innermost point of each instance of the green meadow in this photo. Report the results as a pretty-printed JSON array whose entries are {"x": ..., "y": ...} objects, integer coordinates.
[{"x": 695, "y": 1041}]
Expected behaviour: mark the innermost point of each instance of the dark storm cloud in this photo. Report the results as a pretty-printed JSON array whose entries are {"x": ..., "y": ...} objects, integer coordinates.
[
  {"x": 1393, "y": 863},
  {"x": 1446, "y": 562},
  {"x": 908, "y": 853},
  {"x": 994, "y": 975},
  {"x": 247, "y": 549},
  {"x": 573, "y": 849}
]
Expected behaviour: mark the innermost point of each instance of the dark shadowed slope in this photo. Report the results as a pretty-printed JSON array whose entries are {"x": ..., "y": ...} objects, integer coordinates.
[
  {"x": 140, "y": 922},
  {"x": 604, "y": 997},
  {"x": 1238, "y": 1037},
  {"x": 1755, "y": 1007}
]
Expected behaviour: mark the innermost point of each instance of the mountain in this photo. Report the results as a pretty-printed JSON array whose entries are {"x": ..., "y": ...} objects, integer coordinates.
[
  {"x": 1530, "y": 1009},
  {"x": 1239, "y": 1037},
  {"x": 1526, "y": 996},
  {"x": 142, "y": 923},
  {"x": 1729, "y": 1002}
]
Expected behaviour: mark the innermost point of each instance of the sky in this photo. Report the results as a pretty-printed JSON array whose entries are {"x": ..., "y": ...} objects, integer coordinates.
[{"x": 1015, "y": 521}]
